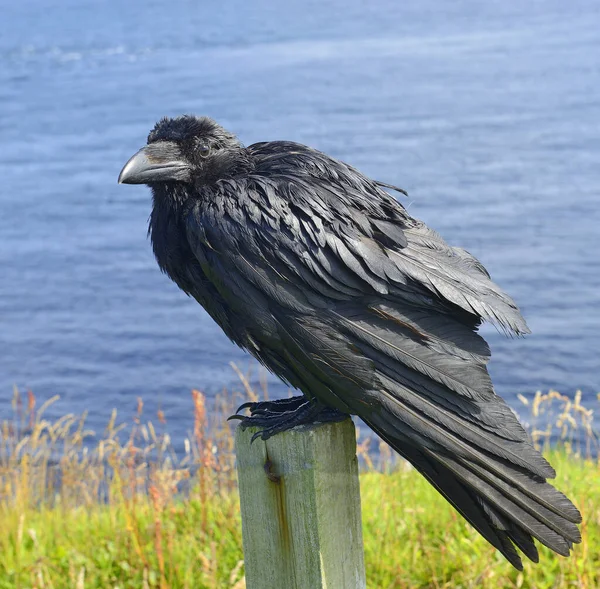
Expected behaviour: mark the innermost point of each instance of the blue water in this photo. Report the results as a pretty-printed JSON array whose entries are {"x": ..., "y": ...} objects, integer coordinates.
[{"x": 488, "y": 113}]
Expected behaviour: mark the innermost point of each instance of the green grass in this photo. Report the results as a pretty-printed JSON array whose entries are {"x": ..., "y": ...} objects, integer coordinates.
[
  {"x": 148, "y": 535},
  {"x": 413, "y": 538}
]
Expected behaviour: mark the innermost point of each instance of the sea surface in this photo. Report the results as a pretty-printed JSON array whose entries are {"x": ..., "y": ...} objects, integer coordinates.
[{"x": 488, "y": 113}]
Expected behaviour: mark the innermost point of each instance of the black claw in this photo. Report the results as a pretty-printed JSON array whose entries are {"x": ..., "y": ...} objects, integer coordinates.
[
  {"x": 236, "y": 416},
  {"x": 243, "y": 406}
]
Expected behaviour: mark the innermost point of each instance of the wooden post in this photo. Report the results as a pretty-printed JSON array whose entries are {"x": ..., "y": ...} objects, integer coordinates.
[{"x": 300, "y": 502}]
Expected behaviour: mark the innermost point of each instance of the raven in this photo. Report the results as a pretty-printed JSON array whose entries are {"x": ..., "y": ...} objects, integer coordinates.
[{"x": 325, "y": 278}]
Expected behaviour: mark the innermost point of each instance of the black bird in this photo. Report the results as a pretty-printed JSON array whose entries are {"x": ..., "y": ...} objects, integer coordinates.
[{"x": 328, "y": 281}]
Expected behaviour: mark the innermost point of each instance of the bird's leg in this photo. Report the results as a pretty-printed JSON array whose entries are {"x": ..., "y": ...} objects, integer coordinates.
[{"x": 278, "y": 416}]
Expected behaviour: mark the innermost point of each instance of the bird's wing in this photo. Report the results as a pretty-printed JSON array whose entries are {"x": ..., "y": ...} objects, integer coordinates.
[
  {"x": 374, "y": 314},
  {"x": 357, "y": 234}
]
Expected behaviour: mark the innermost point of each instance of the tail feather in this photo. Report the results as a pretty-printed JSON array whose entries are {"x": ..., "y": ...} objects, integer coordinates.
[
  {"x": 543, "y": 501},
  {"x": 509, "y": 504},
  {"x": 436, "y": 431},
  {"x": 457, "y": 494},
  {"x": 522, "y": 478},
  {"x": 522, "y": 539}
]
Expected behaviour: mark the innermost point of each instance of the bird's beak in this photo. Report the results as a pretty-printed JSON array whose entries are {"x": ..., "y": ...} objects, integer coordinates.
[{"x": 157, "y": 162}]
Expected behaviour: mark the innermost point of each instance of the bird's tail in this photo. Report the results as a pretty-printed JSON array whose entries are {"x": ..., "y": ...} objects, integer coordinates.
[{"x": 506, "y": 503}]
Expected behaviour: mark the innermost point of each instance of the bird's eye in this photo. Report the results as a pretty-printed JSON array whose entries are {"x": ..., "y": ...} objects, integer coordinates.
[{"x": 204, "y": 150}]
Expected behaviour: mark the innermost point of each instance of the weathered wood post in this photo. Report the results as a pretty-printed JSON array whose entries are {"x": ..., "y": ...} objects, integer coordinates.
[{"x": 300, "y": 502}]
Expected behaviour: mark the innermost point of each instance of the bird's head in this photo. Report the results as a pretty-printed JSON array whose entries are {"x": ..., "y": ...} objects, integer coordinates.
[{"x": 187, "y": 149}]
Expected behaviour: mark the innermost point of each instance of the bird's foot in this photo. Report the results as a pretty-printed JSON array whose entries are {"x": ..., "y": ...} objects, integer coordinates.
[
  {"x": 272, "y": 407},
  {"x": 278, "y": 416}
]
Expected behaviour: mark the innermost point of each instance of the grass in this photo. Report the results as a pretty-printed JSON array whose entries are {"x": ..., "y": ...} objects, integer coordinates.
[{"x": 121, "y": 510}]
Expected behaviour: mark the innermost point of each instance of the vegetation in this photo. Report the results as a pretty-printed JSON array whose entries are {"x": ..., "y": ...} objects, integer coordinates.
[{"x": 122, "y": 510}]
